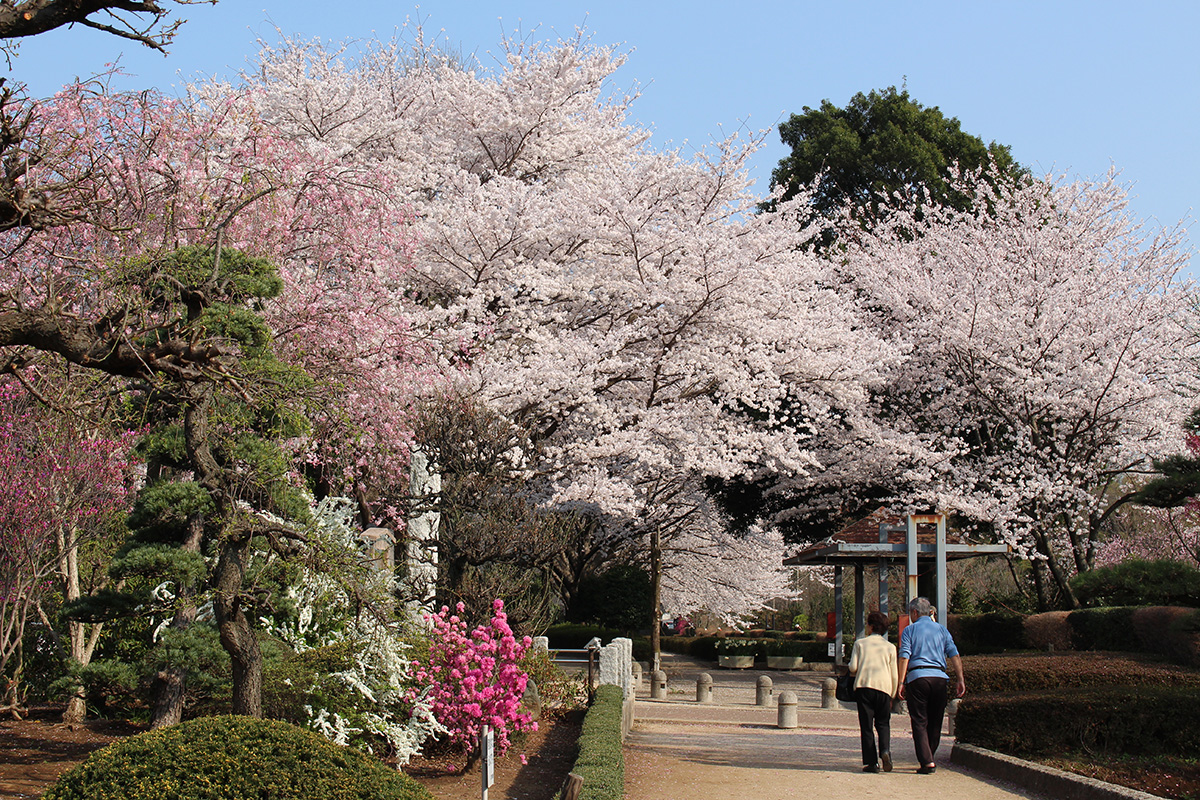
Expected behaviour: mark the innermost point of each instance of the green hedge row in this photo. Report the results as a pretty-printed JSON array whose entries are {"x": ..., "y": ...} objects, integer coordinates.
[
  {"x": 1134, "y": 720},
  {"x": 1018, "y": 672},
  {"x": 1170, "y": 631},
  {"x": 601, "y": 761},
  {"x": 573, "y": 636},
  {"x": 707, "y": 648},
  {"x": 233, "y": 758}
]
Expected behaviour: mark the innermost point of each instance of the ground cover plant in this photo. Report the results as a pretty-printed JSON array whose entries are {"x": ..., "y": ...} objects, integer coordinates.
[
  {"x": 1120, "y": 717},
  {"x": 244, "y": 757}
]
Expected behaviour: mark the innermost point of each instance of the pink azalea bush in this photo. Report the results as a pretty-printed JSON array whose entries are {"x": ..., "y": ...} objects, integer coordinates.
[{"x": 474, "y": 677}]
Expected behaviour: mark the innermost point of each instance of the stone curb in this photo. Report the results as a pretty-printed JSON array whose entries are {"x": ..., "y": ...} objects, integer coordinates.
[{"x": 1049, "y": 781}]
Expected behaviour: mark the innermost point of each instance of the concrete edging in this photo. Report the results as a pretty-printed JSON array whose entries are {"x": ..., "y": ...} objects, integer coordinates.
[{"x": 1042, "y": 779}]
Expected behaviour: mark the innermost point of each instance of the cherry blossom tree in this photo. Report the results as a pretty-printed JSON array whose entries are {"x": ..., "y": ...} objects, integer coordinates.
[
  {"x": 59, "y": 489},
  {"x": 175, "y": 247},
  {"x": 1046, "y": 344},
  {"x": 623, "y": 304}
]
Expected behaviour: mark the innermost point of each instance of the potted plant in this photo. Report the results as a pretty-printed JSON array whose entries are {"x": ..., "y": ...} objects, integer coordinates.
[
  {"x": 785, "y": 653},
  {"x": 737, "y": 653}
]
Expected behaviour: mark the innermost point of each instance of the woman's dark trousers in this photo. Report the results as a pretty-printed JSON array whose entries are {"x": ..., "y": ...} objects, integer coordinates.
[{"x": 874, "y": 711}]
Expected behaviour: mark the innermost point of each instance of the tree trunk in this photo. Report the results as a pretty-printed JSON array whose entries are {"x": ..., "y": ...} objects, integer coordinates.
[
  {"x": 168, "y": 688},
  {"x": 656, "y": 585},
  {"x": 237, "y": 636}
]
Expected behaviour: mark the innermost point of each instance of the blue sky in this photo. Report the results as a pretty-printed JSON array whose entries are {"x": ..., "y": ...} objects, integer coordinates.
[{"x": 1072, "y": 87}]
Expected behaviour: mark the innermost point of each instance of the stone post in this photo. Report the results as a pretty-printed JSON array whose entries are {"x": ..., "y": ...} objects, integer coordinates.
[
  {"x": 658, "y": 685},
  {"x": 541, "y": 644},
  {"x": 625, "y": 665},
  {"x": 763, "y": 691},
  {"x": 531, "y": 701},
  {"x": 637, "y": 676},
  {"x": 610, "y": 665},
  {"x": 704, "y": 687},
  {"x": 951, "y": 713},
  {"x": 787, "y": 715},
  {"x": 829, "y": 693}
]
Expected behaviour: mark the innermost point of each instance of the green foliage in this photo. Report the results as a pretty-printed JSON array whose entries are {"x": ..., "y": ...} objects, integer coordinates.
[
  {"x": 621, "y": 597},
  {"x": 1018, "y": 672},
  {"x": 234, "y": 758},
  {"x": 881, "y": 144},
  {"x": 240, "y": 277},
  {"x": 558, "y": 691},
  {"x": 1137, "y": 720},
  {"x": 702, "y": 647},
  {"x": 1103, "y": 629},
  {"x": 162, "y": 509},
  {"x": 601, "y": 761},
  {"x": 162, "y": 561},
  {"x": 1139, "y": 583},
  {"x": 987, "y": 633}
]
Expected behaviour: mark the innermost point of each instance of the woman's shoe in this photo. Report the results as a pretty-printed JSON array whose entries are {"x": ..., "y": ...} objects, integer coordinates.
[
  {"x": 927, "y": 769},
  {"x": 886, "y": 758}
]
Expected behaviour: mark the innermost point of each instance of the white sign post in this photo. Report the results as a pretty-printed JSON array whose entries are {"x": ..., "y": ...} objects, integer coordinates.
[{"x": 487, "y": 758}]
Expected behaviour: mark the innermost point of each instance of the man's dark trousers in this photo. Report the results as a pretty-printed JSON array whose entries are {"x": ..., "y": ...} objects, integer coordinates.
[{"x": 926, "y": 699}]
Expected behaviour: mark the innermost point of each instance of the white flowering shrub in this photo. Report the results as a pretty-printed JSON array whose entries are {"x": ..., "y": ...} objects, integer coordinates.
[{"x": 350, "y": 677}]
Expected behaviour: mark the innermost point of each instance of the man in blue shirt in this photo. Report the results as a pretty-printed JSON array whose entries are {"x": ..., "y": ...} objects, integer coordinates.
[{"x": 925, "y": 647}]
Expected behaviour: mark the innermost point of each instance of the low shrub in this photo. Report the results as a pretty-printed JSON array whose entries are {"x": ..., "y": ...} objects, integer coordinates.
[
  {"x": 702, "y": 647},
  {"x": 1103, "y": 629},
  {"x": 1048, "y": 631},
  {"x": 1133, "y": 720},
  {"x": 1033, "y": 672},
  {"x": 573, "y": 636},
  {"x": 1169, "y": 631},
  {"x": 1139, "y": 583},
  {"x": 234, "y": 758},
  {"x": 601, "y": 761},
  {"x": 987, "y": 633}
]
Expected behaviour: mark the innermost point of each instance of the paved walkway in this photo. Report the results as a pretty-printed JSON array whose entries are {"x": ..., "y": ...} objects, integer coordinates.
[{"x": 732, "y": 749}]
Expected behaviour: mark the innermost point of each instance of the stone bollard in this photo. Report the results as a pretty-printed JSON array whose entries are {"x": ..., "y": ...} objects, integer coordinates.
[
  {"x": 658, "y": 685},
  {"x": 637, "y": 676},
  {"x": 951, "y": 713},
  {"x": 787, "y": 715},
  {"x": 704, "y": 686},
  {"x": 532, "y": 700},
  {"x": 763, "y": 691},
  {"x": 829, "y": 693}
]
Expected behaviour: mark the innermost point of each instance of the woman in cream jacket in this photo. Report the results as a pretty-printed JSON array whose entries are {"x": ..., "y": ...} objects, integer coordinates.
[{"x": 876, "y": 680}]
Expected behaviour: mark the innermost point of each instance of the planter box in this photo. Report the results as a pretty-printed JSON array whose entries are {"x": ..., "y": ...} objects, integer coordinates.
[
  {"x": 736, "y": 662},
  {"x": 785, "y": 662}
]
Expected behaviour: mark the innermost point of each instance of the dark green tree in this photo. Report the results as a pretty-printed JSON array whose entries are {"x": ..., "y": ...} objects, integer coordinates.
[
  {"x": 216, "y": 404},
  {"x": 882, "y": 147}
]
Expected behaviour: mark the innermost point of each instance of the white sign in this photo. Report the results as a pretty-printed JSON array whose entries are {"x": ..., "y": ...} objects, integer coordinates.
[
  {"x": 831, "y": 646},
  {"x": 487, "y": 758}
]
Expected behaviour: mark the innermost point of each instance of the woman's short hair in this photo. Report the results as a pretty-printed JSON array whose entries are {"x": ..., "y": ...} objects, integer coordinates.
[{"x": 877, "y": 621}]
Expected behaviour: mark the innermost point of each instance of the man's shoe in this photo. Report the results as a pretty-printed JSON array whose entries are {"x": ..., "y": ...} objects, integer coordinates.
[
  {"x": 886, "y": 758},
  {"x": 871, "y": 768},
  {"x": 926, "y": 770}
]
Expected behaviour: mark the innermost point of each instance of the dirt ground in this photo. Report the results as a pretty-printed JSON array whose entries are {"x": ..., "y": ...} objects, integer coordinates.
[{"x": 35, "y": 751}]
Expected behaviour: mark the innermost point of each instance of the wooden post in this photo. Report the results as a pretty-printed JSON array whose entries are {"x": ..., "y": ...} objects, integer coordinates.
[{"x": 572, "y": 787}]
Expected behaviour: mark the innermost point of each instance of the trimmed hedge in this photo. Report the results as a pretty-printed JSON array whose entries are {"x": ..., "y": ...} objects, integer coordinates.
[
  {"x": 1134, "y": 720},
  {"x": 601, "y": 760},
  {"x": 1043, "y": 671},
  {"x": 1170, "y": 631},
  {"x": 702, "y": 647},
  {"x": 232, "y": 758},
  {"x": 987, "y": 633},
  {"x": 573, "y": 636}
]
